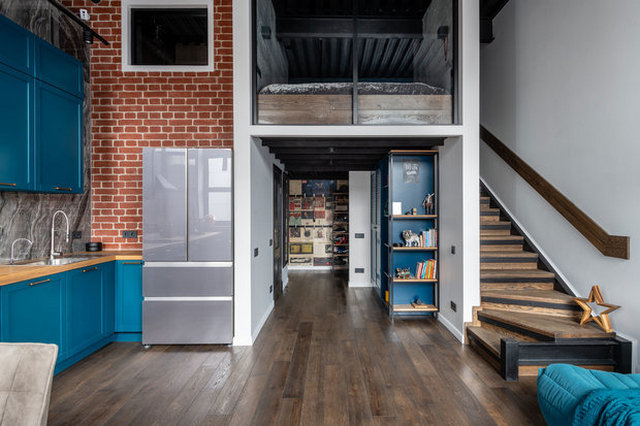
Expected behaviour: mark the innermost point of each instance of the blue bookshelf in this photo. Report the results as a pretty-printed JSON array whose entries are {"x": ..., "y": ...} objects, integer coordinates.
[{"x": 410, "y": 176}]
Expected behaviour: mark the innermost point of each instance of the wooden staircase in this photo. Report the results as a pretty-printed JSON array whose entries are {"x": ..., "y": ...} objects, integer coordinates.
[{"x": 526, "y": 320}]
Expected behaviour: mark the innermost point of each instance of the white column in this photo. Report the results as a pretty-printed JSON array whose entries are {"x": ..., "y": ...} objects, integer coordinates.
[
  {"x": 242, "y": 171},
  {"x": 470, "y": 117}
]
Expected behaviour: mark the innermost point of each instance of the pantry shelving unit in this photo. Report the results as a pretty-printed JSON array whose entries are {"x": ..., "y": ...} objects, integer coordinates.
[{"x": 411, "y": 175}]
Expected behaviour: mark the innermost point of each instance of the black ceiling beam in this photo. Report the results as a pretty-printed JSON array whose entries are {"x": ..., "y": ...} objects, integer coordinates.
[
  {"x": 346, "y": 168},
  {"x": 314, "y": 27},
  {"x": 489, "y": 9},
  {"x": 340, "y": 157},
  {"x": 318, "y": 175},
  {"x": 328, "y": 151}
]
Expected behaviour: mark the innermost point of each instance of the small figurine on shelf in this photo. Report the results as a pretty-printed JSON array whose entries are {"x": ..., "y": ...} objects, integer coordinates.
[
  {"x": 428, "y": 203},
  {"x": 410, "y": 238},
  {"x": 414, "y": 211},
  {"x": 403, "y": 274}
]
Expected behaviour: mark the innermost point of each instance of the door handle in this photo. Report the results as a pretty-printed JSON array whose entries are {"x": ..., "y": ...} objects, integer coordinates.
[
  {"x": 63, "y": 189},
  {"x": 132, "y": 263},
  {"x": 40, "y": 282},
  {"x": 8, "y": 184},
  {"x": 90, "y": 269}
]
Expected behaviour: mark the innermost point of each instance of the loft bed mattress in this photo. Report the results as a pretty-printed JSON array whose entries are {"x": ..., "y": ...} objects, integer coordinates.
[{"x": 411, "y": 89}]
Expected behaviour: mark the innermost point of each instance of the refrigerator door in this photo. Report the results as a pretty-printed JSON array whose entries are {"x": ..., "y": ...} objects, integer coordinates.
[
  {"x": 187, "y": 279},
  {"x": 210, "y": 205},
  {"x": 164, "y": 209},
  {"x": 187, "y": 321}
]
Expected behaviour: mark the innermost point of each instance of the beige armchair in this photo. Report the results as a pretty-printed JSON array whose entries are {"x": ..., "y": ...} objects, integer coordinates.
[{"x": 26, "y": 375}]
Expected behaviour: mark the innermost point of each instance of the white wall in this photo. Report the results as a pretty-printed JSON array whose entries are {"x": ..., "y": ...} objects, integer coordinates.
[
  {"x": 450, "y": 234},
  {"x": 559, "y": 87},
  {"x": 261, "y": 232},
  {"x": 360, "y": 222}
]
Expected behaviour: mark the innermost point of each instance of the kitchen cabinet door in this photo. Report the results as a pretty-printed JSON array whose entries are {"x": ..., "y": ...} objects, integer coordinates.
[
  {"x": 129, "y": 297},
  {"x": 58, "y": 136},
  {"x": 59, "y": 69},
  {"x": 32, "y": 311},
  {"x": 84, "y": 324},
  {"x": 16, "y": 130},
  {"x": 108, "y": 298},
  {"x": 17, "y": 47}
]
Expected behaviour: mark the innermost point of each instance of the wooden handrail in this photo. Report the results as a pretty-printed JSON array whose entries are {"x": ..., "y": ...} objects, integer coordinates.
[{"x": 609, "y": 245}]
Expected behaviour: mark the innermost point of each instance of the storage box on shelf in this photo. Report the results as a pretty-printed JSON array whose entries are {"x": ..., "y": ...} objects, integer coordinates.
[
  {"x": 341, "y": 230},
  {"x": 41, "y": 122},
  {"x": 410, "y": 282}
]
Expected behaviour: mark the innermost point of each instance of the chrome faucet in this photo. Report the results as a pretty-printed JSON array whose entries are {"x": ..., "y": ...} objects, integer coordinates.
[
  {"x": 53, "y": 232},
  {"x": 13, "y": 245}
]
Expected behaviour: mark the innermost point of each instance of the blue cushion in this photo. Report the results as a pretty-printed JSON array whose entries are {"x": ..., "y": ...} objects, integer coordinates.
[{"x": 561, "y": 387}]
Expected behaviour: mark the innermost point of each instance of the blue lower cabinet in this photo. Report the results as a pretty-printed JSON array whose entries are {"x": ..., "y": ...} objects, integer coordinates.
[
  {"x": 33, "y": 311},
  {"x": 129, "y": 299},
  {"x": 108, "y": 298},
  {"x": 76, "y": 310},
  {"x": 84, "y": 308}
]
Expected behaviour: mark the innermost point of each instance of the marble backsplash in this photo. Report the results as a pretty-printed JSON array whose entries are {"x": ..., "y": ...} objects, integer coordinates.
[{"x": 29, "y": 215}]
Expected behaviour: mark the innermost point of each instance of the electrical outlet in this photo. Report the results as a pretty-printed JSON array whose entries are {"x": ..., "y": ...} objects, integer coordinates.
[
  {"x": 129, "y": 234},
  {"x": 453, "y": 249},
  {"x": 359, "y": 236},
  {"x": 76, "y": 235},
  {"x": 270, "y": 289},
  {"x": 255, "y": 252},
  {"x": 270, "y": 243},
  {"x": 359, "y": 270},
  {"x": 454, "y": 307}
]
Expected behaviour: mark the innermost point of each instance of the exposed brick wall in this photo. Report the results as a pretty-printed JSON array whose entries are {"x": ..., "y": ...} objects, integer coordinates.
[{"x": 133, "y": 110}]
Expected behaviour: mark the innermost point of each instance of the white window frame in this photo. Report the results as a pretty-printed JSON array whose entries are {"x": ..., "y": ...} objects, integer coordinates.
[{"x": 127, "y": 5}]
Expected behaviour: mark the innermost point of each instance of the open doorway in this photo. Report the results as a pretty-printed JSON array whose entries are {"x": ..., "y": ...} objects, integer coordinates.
[{"x": 278, "y": 252}]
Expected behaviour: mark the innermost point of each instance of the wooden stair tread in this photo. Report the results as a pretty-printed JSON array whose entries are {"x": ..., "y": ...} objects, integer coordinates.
[
  {"x": 515, "y": 273},
  {"x": 545, "y": 296},
  {"x": 508, "y": 254},
  {"x": 546, "y": 325},
  {"x": 490, "y": 338},
  {"x": 494, "y": 223},
  {"x": 514, "y": 238}
]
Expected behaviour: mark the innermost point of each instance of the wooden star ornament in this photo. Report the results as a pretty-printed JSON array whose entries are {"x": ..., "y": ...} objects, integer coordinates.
[{"x": 596, "y": 310}]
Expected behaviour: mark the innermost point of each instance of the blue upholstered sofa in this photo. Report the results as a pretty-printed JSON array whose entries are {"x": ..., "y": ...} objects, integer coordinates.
[{"x": 572, "y": 395}]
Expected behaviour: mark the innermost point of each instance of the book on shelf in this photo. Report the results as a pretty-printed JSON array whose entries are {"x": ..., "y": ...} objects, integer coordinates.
[
  {"x": 427, "y": 270},
  {"x": 429, "y": 238}
]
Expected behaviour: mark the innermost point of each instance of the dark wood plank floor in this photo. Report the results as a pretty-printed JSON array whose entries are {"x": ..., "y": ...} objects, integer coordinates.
[{"x": 327, "y": 355}]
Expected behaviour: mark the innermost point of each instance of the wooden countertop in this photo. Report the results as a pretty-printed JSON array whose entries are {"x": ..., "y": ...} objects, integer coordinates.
[{"x": 10, "y": 274}]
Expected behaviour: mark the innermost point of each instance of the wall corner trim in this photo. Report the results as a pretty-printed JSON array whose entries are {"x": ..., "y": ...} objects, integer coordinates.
[
  {"x": 263, "y": 320},
  {"x": 242, "y": 341},
  {"x": 452, "y": 328}
]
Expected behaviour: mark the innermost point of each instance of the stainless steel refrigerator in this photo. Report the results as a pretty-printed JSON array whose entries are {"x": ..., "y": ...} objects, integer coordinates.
[{"x": 187, "y": 246}]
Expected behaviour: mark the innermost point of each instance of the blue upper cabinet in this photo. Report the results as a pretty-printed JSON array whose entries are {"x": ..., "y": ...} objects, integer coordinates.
[
  {"x": 58, "y": 140},
  {"x": 59, "y": 69},
  {"x": 41, "y": 120},
  {"x": 16, "y": 131},
  {"x": 32, "y": 311},
  {"x": 17, "y": 46}
]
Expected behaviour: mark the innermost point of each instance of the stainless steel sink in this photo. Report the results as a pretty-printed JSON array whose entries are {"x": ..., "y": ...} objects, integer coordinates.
[{"x": 54, "y": 262}]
